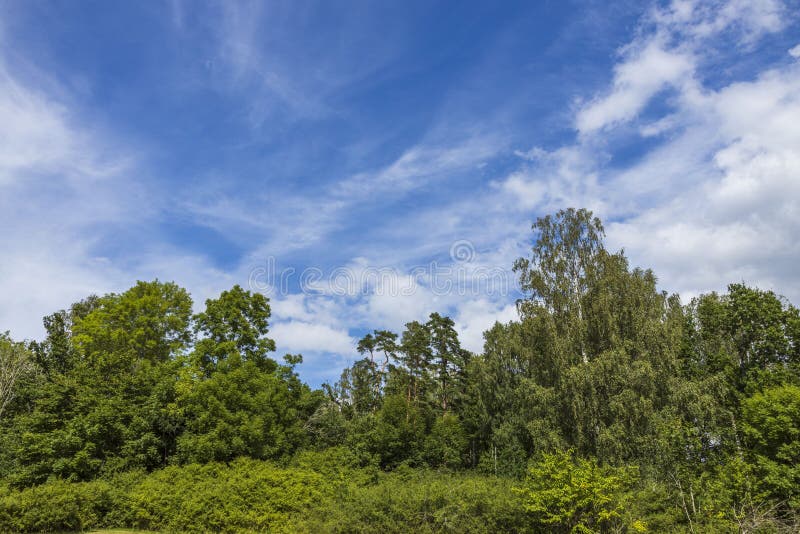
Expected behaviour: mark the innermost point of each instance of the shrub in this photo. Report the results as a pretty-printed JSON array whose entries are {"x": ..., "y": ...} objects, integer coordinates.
[
  {"x": 423, "y": 501},
  {"x": 248, "y": 495},
  {"x": 57, "y": 506},
  {"x": 244, "y": 496},
  {"x": 569, "y": 494}
]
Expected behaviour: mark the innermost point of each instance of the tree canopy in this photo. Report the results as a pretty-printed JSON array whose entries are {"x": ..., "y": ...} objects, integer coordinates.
[{"x": 608, "y": 405}]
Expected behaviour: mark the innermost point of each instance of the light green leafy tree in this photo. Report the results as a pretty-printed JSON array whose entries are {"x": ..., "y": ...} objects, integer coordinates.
[
  {"x": 566, "y": 493},
  {"x": 771, "y": 428},
  {"x": 16, "y": 363}
]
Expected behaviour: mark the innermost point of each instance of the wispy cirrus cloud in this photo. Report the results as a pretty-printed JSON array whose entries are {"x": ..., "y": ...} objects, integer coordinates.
[
  {"x": 286, "y": 222},
  {"x": 688, "y": 205},
  {"x": 73, "y": 198},
  {"x": 373, "y": 138}
]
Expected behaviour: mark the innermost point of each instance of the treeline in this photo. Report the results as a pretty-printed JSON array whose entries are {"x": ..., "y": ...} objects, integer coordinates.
[{"x": 608, "y": 406}]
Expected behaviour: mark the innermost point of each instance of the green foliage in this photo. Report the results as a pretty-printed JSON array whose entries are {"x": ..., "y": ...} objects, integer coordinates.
[
  {"x": 327, "y": 426},
  {"x": 109, "y": 408},
  {"x": 359, "y": 388},
  {"x": 557, "y": 275},
  {"x": 57, "y": 506},
  {"x": 417, "y": 356},
  {"x": 234, "y": 326},
  {"x": 611, "y": 400},
  {"x": 245, "y": 496},
  {"x": 16, "y": 366},
  {"x": 423, "y": 502},
  {"x": 320, "y": 492},
  {"x": 771, "y": 427},
  {"x": 398, "y": 433},
  {"x": 446, "y": 444},
  {"x": 242, "y": 410},
  {"x": 121, "y": 415},
  {"x": 566, "y": 493},
  {"x": 449, "y": 361}
]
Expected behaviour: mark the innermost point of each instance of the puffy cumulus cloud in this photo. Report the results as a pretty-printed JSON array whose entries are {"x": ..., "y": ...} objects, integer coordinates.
[
  {"x": 309, "y": 307},
  {"x": 751, "y": 18},
  {"x": 664, "y": 55},
  {"x": 475, "y": 290},
  {"x": 474, "y": 317},
  {"x": 740, "y": 219},
  {"x": 547, "y": 181},
  {"x": 325, "y": 351},
  {"x": 715, "y": 196},
  {"x": 300, "y": 336},
  {"x": 393, "y": 304}
]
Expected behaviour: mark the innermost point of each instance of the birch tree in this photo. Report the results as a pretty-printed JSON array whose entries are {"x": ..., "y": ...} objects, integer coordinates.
[{"x": 15, "y": 363}]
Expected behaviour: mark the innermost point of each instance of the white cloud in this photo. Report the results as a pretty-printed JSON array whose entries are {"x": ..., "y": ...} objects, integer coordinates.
[
  {"x": 56, "y": 180},
  {"x": 718, "y": 198},
  {"x": 474, "y": 317},
  {"x": 751, "y": 18},
  {"x": 703, "y": 19},
  {"x": 740, "y": 219},
  {"x": 475, "y": 293},
  {"x": 528, "y": 192},
  {"x": 548, "y": 181},
  {"x": 417, "y": 165},
  {"x": 36, "y": 137},
  {"x": 66, "y": 194},
  {"x": 299, "y": 336},
  {"x": 287, "y": 222},
  {"x": 665, "y": 56},
  {"x": 644, "y": 73}
]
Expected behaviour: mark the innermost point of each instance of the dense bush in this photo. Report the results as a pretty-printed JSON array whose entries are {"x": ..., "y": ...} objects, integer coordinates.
[
  {"x": 423, "y": 501},
  {"x": 245, "y": 496},
  {"x": 320, "y": 492},
  {"x": 59, "y": 506}
]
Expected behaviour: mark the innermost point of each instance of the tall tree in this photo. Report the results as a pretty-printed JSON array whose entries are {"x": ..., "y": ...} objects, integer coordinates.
[
  {"x": 448, "y": 357},
  {"x": 557, "y": 275},
  {"x": 386, "y": 343},
  {"x": 359, "y": 388},
  {"x": 110, "y": 407},
  {"x": 234, "y": 325},
  {"x": 235, "y": 400},
  {"x": 415, "y": 354},
  {"x": 16, "y": 363}
]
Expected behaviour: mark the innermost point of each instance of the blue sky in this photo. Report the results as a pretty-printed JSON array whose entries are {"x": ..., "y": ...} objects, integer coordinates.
[{"x": 222, "y": 143}]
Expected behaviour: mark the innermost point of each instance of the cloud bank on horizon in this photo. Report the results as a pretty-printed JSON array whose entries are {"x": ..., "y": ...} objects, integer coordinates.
[{"x": 385, "y": 162}]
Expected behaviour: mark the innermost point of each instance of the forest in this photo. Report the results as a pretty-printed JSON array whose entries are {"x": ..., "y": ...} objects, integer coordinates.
[{"x": 608, "y": 406}]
